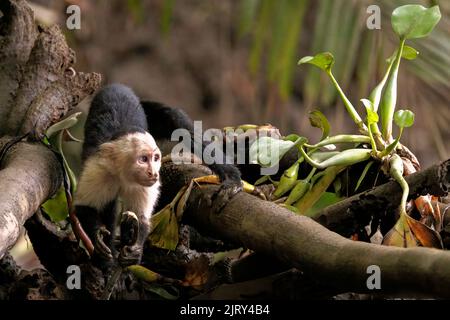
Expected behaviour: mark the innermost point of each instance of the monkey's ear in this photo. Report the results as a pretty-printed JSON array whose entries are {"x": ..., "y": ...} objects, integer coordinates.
[{"x": 108, "y": 149}]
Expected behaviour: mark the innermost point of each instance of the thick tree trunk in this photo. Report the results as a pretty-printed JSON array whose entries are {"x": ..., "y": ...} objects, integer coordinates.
[{"x": 38, "y": 86}]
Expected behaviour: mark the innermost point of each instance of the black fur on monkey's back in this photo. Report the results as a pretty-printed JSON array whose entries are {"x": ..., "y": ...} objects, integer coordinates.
[{"x": 115, "y": 111}]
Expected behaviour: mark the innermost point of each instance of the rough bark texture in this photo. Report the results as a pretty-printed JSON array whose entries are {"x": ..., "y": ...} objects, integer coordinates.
[
  {"x": 17, "y": 35},
  {"x": 37, "y": 88},
  {"x": 29, "y": 174},
  {"x": 37, "y": 84}
]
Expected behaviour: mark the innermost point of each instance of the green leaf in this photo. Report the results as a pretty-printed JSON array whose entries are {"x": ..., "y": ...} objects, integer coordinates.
[
  {"x": 368, "y": 104},
  {"x": 363, "y": 174},
  {"x": 414, "y": 21},
  {"x": 404, "y": 118},
  {"x": 324, "y": 60},
  {"x": 267, "y": 151},
  {"x": 318, "y": 120},
  {"x": 408, "y": 53},
  {"x": 325, "y": 200},
  {"x": 66, "y": 123},
  {"x": 56, "y": 207},
  {"x": 292, "y": 137},
  {"x": 372, "y": 116},
  {"x": 261, "y": 180}
]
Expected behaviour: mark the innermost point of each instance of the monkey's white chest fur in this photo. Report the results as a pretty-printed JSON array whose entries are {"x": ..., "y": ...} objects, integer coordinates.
[{"x": 140, "y": 200}]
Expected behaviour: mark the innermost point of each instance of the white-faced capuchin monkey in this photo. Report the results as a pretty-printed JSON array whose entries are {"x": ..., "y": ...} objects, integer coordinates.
[{"x": 121, "y": 161}]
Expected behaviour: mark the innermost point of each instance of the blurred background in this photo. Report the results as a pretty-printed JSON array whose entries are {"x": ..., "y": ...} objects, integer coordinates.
[{"x": 234, "y": 62}]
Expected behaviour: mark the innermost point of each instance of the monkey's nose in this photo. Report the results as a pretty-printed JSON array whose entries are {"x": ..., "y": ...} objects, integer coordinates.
[{"x": 153, "y": 176}]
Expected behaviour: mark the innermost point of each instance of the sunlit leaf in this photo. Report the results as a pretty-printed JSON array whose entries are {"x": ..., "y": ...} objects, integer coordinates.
[
  {"x": 408, "y": 53},
  {"x": 144, "y": 274},
  {"x": 414, "y": 21},
  {"x": 56, "y": 207},
  {"x": 317, "y": 119},
  {"x": 268, "y": 151},
  {"x": 324, "y": 60},
  {"x": 372, "y": 116},
  {"x": 325, "y": 200}
]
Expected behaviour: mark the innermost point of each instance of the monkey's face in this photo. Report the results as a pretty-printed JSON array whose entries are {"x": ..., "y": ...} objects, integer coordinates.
[
  {"x": 146, "y": 161},
  {"x": 134, "y": 157}
]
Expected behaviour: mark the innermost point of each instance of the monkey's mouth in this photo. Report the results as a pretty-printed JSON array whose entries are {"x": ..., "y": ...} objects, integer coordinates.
[{"x": 151, "y": 181}]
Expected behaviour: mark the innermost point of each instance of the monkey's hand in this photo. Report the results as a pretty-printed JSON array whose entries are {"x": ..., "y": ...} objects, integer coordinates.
[
  {"x": 99, "y": 243},
  {"x": 130, "y": 255},
  {"x": 231, "y": 185}
]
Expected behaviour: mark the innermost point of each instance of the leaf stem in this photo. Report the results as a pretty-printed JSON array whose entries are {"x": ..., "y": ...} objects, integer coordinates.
[{"x": 348, "y": 105}]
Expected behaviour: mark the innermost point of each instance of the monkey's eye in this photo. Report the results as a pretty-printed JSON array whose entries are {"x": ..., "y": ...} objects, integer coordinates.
[
  {"x": 156, "y": 157},
  {"x": 143, "y": 159}
]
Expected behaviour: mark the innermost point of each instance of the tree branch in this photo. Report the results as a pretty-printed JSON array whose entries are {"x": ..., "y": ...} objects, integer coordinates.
[
  {"x": 356, "y": 211},
  {"x": 30, "y": 174},
  {"x": 301, "y": 242}
]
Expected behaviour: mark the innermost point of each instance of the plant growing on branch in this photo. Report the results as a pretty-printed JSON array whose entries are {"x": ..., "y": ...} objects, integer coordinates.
[{"x": 306, "y": 195}]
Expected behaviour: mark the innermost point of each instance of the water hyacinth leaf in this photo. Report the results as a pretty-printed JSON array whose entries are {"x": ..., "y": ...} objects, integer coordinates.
[
  {"x": 325, "y": 200},
  {"x": 292, "y": 137},
  {"x": 268, "y": 151},
  {"x": 404, "y": 118},
  {"x": 298, "y": 192},
  {"x": 363, "y": 174},
  {"x": 324, "y": 60},
  {"x": 345, "y": 158},
  {"x": 368, "y": 104},
  {"x": 56, "y": 207},
  {"x": 143, "y": 273},
  {"x": 314, "y": 194},
  {"x": 408, "y": 53},
  {"x": 340, "y": 138},
  {"x": 414, "y": 21},
  {"x": 320, "y": 156},
  {"x": 318, "y": 120},
  {"x": 287, "y": 180}
]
